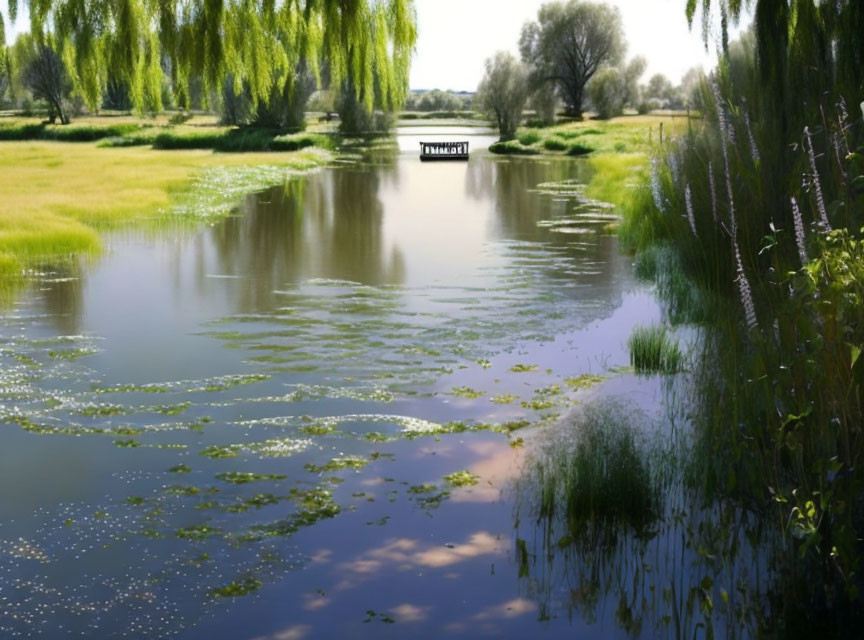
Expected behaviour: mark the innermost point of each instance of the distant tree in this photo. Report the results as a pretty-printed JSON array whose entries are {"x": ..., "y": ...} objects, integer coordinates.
[
  {"x": 44, "y": 74},
  {"x": 544, "y": 100},
  {"x": 633, "y": 72},
  {"x": 612, "y": 89},
  {"x": 5, "y": 73},
  {"x": 569, "y": 43},
  {"x": 660, "y": 88},
  {"x": 438, "y": 100},
  {"x": 689, "y": 90},
  {"x": 503, "y": 92},
  {"x": 607, "y": 92}
]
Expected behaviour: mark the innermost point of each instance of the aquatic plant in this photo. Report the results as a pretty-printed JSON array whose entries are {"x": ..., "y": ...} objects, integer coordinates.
[
  {"x": 596, "y": 476},
  {"x": 653, "y": 350},
  {"x": 776, "y": 409},
  {"x": 461, "y": 479},
  {"x": 236, "y": 589}
]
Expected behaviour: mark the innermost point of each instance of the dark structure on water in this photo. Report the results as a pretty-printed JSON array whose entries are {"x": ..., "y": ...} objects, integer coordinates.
[{"x": 444, "y": 150}]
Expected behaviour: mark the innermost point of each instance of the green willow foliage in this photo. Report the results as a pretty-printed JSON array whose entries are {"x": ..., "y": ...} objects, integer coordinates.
[
  {"x": 763, "y": 205},
  {"x": 363, "y": 46}
]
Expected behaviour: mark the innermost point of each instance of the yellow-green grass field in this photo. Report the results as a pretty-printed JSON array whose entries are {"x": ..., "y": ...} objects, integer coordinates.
[{"x": 56, "y": 197}]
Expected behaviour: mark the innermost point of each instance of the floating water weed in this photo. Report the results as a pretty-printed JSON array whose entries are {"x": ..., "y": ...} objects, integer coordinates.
[
  {"x": 467, "y": 392},
  {"x": 237, "y": 589},
  {"x": 238, "y": 477},
  {"x": 346, "y": 462},
  {"x": 461, "y": 479},
  {"x": 584, "y": 381}
]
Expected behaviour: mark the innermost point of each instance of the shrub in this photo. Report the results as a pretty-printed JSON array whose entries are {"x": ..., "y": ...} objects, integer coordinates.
[
  {"x": 529, "y": 137},
  {"x": 512, "y": 147},
  {"x": 554, "y": 144},
  {"x": 297, "y": 141},
  {"x": 578, "y": 150}
]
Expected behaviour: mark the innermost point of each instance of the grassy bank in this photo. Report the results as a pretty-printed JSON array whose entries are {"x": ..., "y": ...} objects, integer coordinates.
[
  {"x": 626, "y": 134},
  {"x": 57, "y": 196},
  {"x": 619, "y": 150},
  {"x": 130, "y": 132}
]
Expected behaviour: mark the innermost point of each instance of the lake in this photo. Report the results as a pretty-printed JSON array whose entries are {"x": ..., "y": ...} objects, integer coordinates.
[{"x": 310, "y": 418}]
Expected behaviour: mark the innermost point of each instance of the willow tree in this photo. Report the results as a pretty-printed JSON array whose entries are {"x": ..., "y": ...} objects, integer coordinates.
[
  {"x": 503, "y": 92},
  {"x": 569, "y": 43},
  {"x": 266, "y": 46}
]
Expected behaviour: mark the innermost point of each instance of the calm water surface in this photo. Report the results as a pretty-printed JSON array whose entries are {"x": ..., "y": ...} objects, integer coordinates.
[{"x": 243, "y": 430}]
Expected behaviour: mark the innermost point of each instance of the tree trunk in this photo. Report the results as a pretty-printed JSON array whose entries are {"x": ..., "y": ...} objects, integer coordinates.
[{"x": 574, "y": 96}]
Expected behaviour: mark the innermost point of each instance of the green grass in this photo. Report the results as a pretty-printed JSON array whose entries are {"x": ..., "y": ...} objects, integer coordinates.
[
  {"x": 596, "y": 476},
  {"x": 554, "y": 143},
  {"x": 57, "y": 197},
  {"x": 67, "y": 133},
  {"x": 513, "y": 147},
  {"x": 653, "y": 350},
  {"x": 529, "y": 137}
]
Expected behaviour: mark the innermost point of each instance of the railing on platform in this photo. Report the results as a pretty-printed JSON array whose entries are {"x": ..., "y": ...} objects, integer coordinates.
[{"x": 443, "y": 150}]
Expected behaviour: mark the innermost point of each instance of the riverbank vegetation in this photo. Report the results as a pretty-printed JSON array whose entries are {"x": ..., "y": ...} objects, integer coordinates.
[
  {"x": 58, "y": 197},
  {"x": 762, "y": 206}
]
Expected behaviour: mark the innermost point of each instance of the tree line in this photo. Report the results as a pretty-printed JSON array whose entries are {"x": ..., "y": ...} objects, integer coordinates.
[
  {"x": 260, "y": 61},
  {"x": 574, "y": 55}
]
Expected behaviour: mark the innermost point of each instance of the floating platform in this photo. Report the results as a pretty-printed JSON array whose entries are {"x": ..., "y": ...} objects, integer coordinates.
[{"x": 444, "y": 150}]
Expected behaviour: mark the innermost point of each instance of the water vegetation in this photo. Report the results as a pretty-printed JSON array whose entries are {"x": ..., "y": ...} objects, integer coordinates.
[
  {"x": 615, "y": 140},
  {"x": 654, "y": 350},
  {"x": 462, "y": 478},
  {"x": 759, "y": 209},
  {"x": 597, "y": 475},
  {"x": 59, "y": 197}
]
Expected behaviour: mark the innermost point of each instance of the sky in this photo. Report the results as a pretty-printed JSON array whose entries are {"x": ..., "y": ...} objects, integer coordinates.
[{"x": 456, "y": 36}]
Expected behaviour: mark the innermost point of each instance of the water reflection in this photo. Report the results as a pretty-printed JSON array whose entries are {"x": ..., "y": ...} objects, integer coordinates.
[{"x": 328, "y": 226}]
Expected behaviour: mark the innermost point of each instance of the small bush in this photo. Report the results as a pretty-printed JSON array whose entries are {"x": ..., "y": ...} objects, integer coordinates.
[
  {"x": 179, "y": 118},
  {"x": 529, "y": 137},
  {"x": 297, "y": 141},
  {"x": 65, "y": 133},
  {"x": 578, "y": 150},
  {"x": 131, "y": 140},
  {"x": 187, "y": 140},
  {"x": 512, "y": 147},
  {"x": 458, "y": 115},
  {"x": 554, "y": 144},
  {"x": 652, "y": 350}
]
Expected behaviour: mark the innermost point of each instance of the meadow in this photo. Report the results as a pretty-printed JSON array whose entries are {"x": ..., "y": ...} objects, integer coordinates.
[{"x": 57, "y": 197}]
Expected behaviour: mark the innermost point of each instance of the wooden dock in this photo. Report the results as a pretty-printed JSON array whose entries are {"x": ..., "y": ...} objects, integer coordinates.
[{"x": 444, "y": 150}]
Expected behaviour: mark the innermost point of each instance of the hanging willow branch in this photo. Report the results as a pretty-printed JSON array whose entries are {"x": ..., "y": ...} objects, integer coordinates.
[{"x": 365, "y": 45}]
